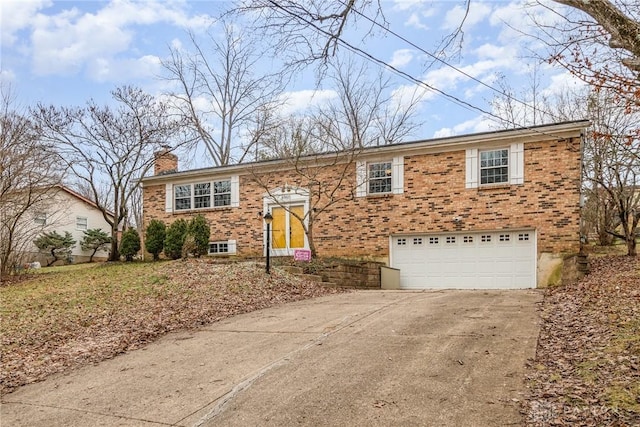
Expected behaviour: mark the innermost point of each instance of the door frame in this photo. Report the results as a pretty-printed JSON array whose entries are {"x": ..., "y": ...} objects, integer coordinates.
[{"x": 284, "y": 197}]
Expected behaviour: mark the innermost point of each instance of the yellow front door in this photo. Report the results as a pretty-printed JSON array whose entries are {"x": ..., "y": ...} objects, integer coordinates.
[
  {"x": 287, "y": 231},
  {"x": 296, "y": 231}
]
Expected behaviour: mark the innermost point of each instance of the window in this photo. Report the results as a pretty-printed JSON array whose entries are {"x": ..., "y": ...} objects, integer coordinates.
[
  {"x": 505, "y": 237},
  {"x": 222, "y": 193},
  {"x": 451, "y": 239},
  {"x": 433, "y": 240},
  {"x": 224, "y": 247},
  {"x": 81, "y": 222},
  {"x": 494, "y": 166},
  {"x": 467, "y": 239},
  {"x": 379, "y": 177},
  {"x": 417, "y": 241},
  {"x": 485, "y": 238},
  {"x": 183, "y": 197},
  {"x": 384, "y": 176},
  {"x": 402, "y": 242},
  {"x": 218, "y": 248},
  {"x": 487, "y": 167},
  {"x": 40, "y": 218},
  {"x": 523, "y": 237},
  {"x": 201, "y": 196}
]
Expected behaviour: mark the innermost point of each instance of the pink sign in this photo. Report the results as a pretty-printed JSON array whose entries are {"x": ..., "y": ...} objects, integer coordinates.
[{"x": 302, "y": 255}]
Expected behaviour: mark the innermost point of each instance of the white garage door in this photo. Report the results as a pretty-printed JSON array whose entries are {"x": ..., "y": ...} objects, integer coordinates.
[{"x": 484, "y": 260}]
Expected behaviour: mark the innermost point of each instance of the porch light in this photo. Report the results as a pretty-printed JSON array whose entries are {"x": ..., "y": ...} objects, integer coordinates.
[{"x": 268, "y": 219}]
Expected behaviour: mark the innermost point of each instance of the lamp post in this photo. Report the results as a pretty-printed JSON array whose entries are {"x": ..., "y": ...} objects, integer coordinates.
[{"x": 268, "y": 219}]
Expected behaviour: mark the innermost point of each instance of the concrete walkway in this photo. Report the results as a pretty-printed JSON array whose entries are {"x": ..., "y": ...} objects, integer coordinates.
[{"x": 446, "y": 358}]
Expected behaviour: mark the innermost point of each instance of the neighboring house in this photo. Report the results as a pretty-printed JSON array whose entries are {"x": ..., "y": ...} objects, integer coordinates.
[
  {"x": 490, "y": 210},
  {"x": 72, "y": 212}
]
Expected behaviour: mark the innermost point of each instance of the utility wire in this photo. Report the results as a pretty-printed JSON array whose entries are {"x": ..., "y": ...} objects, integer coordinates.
[
  {"x": 453, "y": 67},
  {"x": 404, "y": 74}
]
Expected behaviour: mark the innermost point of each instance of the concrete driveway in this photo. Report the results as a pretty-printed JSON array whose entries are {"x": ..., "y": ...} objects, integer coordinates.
[{"x": 445, "y": 358}]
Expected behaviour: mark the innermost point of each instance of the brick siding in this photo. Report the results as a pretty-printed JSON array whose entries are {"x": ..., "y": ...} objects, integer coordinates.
[{"x": 434, "y": 192}]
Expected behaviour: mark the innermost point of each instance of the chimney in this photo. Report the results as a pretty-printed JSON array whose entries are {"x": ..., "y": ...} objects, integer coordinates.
[{"x": 165, "y": 162}]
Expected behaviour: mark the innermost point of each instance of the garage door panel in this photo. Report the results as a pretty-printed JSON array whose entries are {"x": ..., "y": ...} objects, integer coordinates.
[{"x": 487, "y": 260}]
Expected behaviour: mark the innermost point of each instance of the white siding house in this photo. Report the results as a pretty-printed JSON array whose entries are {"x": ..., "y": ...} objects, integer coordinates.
[{"x": 70, "y": 211}]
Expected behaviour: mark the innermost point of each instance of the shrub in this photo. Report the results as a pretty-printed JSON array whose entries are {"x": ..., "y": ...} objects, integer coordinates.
[
  {"x": 154, "y": 238},
  {"x": 199, "y": 229},
  {"x": 95, "y": 240},
  {"x": 56, "y": 245},
  {"x": 174, "y": 239},
  {"x": 130, "y": 244}
]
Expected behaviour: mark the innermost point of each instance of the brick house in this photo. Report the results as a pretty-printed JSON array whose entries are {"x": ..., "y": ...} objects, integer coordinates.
[{"x": 489, "y": 210}]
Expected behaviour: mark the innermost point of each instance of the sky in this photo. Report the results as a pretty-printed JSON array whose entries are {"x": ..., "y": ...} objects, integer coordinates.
[{"x": 67, "y": 52}]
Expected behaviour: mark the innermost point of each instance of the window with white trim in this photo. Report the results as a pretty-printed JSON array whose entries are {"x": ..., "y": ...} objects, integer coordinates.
[
  {"x": 218, "y": 248},
  {"x": 183, "y": 197},
  {"x": 222, "y": 193},
  {"x": 81, "y": 222},
  {"x": 379, "y": 177},
  {"x": 223, "y": 247},
  {"x": 40, "y": 218},
  {"x": 200, "y": 195},
  {"x": 494, "y": 166},
  {"x": 385, "y": 176}
]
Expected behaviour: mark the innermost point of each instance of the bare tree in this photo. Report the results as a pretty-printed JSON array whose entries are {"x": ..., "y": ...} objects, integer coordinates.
[
  {"x": 30, "y": 171},
  {"x": 612, "y": 167},
  {"x": 111, "y": 148},
  {"x": 598, "y": 42},
  {"x": 310, "y": 30},
  {"x": 219, "y": 92},
  {"x": 318, "y": 153},
  {"x": 611, "y": 156}
]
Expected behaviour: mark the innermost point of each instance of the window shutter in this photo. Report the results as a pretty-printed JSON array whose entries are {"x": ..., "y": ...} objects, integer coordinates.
[
  {"x": 471, "y": 169},
  {"x": 235, "y": 191},
  {"x": 231, "y": 245},
  {"x": 168, "y": 201},
  {"x": 361, "y": 179},
  {"x": 397, "y": 177},
  {"x": 516, "y": 163}
]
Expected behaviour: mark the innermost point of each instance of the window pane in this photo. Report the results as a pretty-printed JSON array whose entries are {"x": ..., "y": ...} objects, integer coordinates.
[
  {"x": 494, "y": 166},
  {"x": 183, "y": 190},
  {"x": 379, "y": 177},
  {"x": 222, "y": 193},
  {"x": 183, "y": 196}
]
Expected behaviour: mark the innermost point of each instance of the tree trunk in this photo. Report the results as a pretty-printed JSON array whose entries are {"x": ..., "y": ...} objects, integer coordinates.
[
  {"x": 115, "y": 254},
  {"x": 631, "y": 246},
  {"x": 312, "y": 246}
]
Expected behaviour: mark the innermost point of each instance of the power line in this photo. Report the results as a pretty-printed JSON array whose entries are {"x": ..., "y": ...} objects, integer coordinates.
[
  {"x": 453, "y": 67},
  {"x": 404, "y": 74}
]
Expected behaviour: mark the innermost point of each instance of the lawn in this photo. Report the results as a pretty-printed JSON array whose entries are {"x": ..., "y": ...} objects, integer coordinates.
[
  {"x": 62, "y": 318},
  {"x": 587, "y": 366}
]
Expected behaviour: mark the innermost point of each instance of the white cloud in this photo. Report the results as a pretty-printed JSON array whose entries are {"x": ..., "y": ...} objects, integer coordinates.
[
  {"x": 401, "y": 58},
  {"x": 474, "y": 125},
  {"x": 124, "y": 70},
  {"x": 408, "y": 4},
  {"x": 416, "y": 22},
  {"x": 456, "y": 16},
  {"x": 7, "y": 76},
  {"x": 18, "y": 15},
  {"x": 67, "y": 42},
  {"x": 299, "y": 101}
]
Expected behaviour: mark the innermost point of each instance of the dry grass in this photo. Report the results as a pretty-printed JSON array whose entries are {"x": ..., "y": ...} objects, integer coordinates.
[{"x": 62, "y": 318}]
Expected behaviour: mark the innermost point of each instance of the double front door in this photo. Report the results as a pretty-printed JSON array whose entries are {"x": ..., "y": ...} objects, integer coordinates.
[{"x": 287, "y": 232}]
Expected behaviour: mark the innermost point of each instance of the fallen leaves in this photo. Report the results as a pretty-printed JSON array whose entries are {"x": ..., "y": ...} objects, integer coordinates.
[
  {"x": 55, "y": 322},
  {"x": 585, "y": 372}
]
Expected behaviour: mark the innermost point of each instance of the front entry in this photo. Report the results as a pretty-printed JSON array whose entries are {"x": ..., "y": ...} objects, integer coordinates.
[{"x": 287, "y": 232}]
